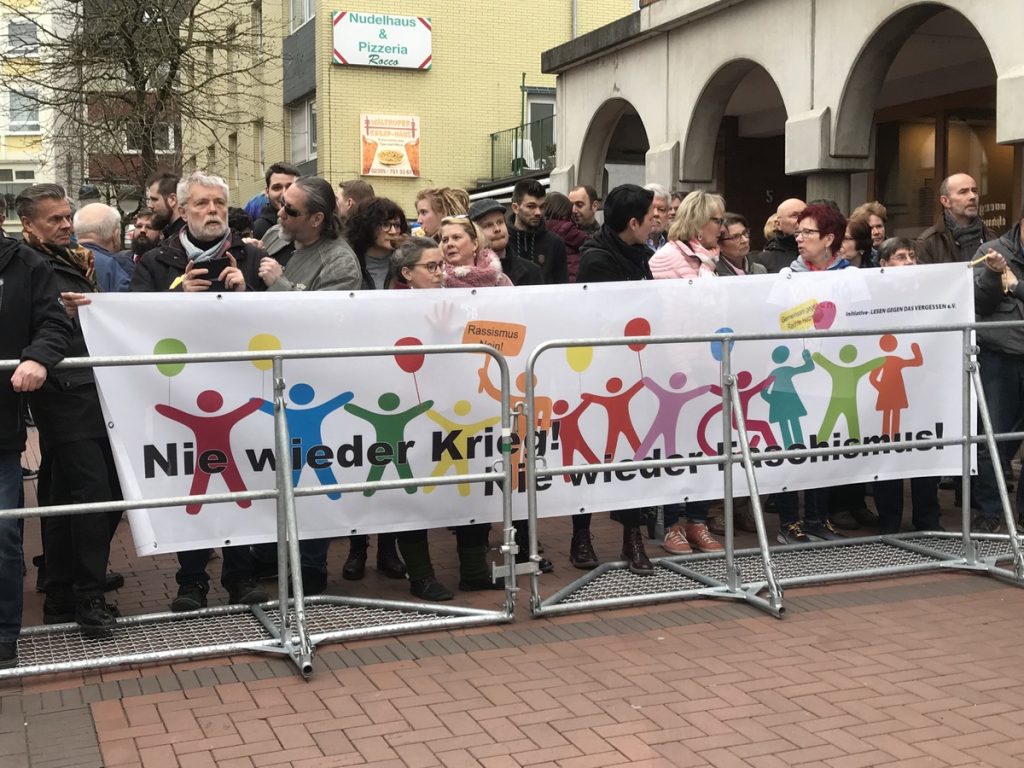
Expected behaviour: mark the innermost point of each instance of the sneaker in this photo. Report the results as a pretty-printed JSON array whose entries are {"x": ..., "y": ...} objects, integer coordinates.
[
  {"x": 716, "y": 524},
  {"x": 191, "y": 597},
  {"x": 793, "y": 533},
  {"x": 581, "y": 551},
  {"x": 94, "y": 617},
  {"x": 431, "y": 589},
  {"x": 9, "y": 654},
  {"x": 700, "y": 538},
  {"x": 245, "y": 592},
  {"x": 823, "y": 531},
  {"x": 986, "y": 524},
  {"x": 675, "y": 542}
]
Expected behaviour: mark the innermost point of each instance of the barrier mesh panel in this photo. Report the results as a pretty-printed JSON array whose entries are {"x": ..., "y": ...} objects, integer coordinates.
[
  {"x": 820, "y": 561},
  {"x": 998, "y": 548},
  {"x": 621, "y": 583},
  {"x": 323, "y": 618}
]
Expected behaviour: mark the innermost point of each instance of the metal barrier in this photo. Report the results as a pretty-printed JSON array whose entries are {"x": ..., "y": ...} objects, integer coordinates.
[
  {"x": 721, "y": 575},
  {"x": 296, "y": 629}
]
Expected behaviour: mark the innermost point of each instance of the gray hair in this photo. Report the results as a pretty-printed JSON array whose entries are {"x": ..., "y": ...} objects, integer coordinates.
[
  {"x": 660, "y": 193},
  {"x": 202, "y": 179},
  {"x": 409, "y": 252},
  {"x": 98, "y": 221},
  {"x": 27, "y": 200},
  {"x": 320, "y": 198}
]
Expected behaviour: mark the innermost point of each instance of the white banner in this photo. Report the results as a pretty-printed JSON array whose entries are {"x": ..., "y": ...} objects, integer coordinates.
[{"x": 200, "y": 428}]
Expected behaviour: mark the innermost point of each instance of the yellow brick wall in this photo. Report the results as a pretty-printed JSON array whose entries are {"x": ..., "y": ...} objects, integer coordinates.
[{"x": 480, "y": 51}]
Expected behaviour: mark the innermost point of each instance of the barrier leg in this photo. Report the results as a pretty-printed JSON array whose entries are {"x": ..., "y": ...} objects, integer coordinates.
[
  {"x": 732, "y": 575},
  {"x": 970, "y": 366}
]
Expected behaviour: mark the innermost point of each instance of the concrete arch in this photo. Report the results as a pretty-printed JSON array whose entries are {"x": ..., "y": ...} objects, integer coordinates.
[
  {"x": 856, "y": 107},
  {"x": 701, "y": 135},
  {"x": 598, "y": 137}
]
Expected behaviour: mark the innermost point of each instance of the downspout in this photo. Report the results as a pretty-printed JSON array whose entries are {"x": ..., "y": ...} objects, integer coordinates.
[{"x": 575, "y": 18}]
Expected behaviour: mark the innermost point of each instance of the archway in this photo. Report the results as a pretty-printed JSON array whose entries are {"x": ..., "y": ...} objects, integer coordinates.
[
  {"x": 735, "y": 143},
  {"x": 922, "y": 98},
  {"x": 615, "y": 147}
]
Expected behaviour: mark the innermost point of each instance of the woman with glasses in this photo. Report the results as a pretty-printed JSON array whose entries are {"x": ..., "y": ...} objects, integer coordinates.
[
  {"x": 691, "y": 252},
  {"x": 734, "y": 248},
  {"x": 692, "y": 247},
  {"x": 374, "y": 229},
  {"x": 420, "y": 264},
  {"x": 468, "y": 263}
]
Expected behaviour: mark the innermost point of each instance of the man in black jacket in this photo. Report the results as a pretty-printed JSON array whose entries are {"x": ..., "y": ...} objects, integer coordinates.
[
  {"x": 618, "y": 251},
  {"x": 528, "y": 238},
  {"x": 78, "y": 466},
  {"x": 489, "y": 215},
  {"x": 781, "y": 250},
  {"x": 37, "y": 332},
  {"x": 279, "y": 177},
  {"x": 162, "y": 199}
]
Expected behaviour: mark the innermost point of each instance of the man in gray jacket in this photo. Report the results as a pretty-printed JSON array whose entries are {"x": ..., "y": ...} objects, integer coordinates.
[
  {"x": 322, "y": 261},
  {"x": 999, "y": 295}
]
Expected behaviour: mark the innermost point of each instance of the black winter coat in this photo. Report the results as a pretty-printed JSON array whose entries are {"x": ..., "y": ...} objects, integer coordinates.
[
  {"x": 605, "y": 258},
  {"x": 34, "y": 325},
  {"x": 543, "y": 248},
  {"x": 160, "y": 268}
]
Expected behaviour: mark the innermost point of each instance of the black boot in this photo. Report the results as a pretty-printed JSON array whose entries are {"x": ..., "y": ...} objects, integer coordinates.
[
  {"x": 474, "y": 575},
  {"x": 581, "y": 551},
  {"x": 355, "y": 564},
  {"x": 523, "y": 544},
  {"x": 94, "y": 617},
  {"x": 388, "y": 561},
  {"x": 633, "y": 551}
]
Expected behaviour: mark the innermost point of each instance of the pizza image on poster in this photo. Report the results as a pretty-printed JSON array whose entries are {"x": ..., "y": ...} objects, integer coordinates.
[{"x": 390, "y": 145}]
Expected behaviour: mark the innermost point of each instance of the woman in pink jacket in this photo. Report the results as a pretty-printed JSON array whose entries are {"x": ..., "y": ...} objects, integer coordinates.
[{"x": 692, "y": 247}]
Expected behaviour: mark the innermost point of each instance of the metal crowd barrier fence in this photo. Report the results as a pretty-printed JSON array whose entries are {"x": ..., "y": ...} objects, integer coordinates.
[
  {"x": 291, "y": 627},
  {"x": 769, "y": 568}
]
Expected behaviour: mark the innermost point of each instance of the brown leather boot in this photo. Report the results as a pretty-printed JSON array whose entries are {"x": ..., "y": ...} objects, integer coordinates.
[
  {"x": 633, "y": 551},
  {"x": 581, "y": 551}
]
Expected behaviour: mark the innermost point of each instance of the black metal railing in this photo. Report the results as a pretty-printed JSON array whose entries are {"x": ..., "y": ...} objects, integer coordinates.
[{"x": 525, "y": 148}]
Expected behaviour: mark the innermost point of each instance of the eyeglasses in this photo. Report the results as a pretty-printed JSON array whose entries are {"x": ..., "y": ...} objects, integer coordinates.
[
  {"x": 293, "y": 212},
  {"x": 430, "y": 266},
  {"x": 391, "y": 226},
  {"x": 806, "y": 232},
  {"x": 739, "y": 236},
  {"x": 716, "y": 220}
]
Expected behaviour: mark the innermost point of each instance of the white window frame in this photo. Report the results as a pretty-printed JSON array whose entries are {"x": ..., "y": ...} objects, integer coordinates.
[
  {"x": 302, "y": 117},
  {"x": 171, "y": 145},
  {"x": 23, "y": 127},
  {"x": 32, "y": 49},
  {"x": 302, "y": 11}
]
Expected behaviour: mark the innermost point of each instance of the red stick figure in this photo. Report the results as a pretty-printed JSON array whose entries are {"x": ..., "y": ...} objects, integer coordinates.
[
  {"x": 570, "y": 435},
  {"x": 743, "y": 384},
  {"x": 888, "y": 380},
  {"x": 619, "y": 421},
  {"x": 212, "y": 433}
]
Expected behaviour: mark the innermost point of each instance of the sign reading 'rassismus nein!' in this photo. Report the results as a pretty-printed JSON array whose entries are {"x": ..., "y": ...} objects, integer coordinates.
[{"x": 382, "y": 40}]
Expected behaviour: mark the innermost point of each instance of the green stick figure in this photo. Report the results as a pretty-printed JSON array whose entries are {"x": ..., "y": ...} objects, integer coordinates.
[
  {"x": 460, "y": 443},
  {"x": 390, "y": 429},
  {"x": 845, "y": 379}
]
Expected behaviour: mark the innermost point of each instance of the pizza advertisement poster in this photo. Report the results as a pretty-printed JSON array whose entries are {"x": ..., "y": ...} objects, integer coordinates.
[{"x": 390, "y": 145}]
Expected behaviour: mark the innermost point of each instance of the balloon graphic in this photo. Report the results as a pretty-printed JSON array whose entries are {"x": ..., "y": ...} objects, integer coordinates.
[
  {"x": 579, "y": 358},
  {"x": 638, "y": 326},
  {"x": 824, "y": 315},
  {"x": 716, "y": 346},
  {"x": 264, "y": 342},
  {"x": 409, "y": 363},
  {"x": 170, "y": 347}
]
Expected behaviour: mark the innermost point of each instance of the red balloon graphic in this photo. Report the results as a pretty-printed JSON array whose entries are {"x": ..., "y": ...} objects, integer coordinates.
[
  {"x": 409, "y": 363},
  {"x": 638, "y": 326}
]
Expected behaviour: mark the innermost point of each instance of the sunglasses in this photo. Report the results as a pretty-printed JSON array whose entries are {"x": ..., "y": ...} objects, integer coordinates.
[{"x": 289, "y": 211}]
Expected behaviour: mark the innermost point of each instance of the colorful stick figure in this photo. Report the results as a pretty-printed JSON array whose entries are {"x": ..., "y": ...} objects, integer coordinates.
[
  {"x": 784, "y": 404},
  {"x": 390, "y": 429},
  {"x": 570, "y": 435},
  {"x": 746, "y": 393},
  {"x": 460, "y": 443},
  {"x": 670, "y": 406},
  {"x": 616, "y": 403},
  {"x": 888, "y": 380},
  {"x": 845, "y": 379},
  {"x": 304, "y": 425},
  {"x": 541, "y": 408},
  {"x": 213, "y": 442}
]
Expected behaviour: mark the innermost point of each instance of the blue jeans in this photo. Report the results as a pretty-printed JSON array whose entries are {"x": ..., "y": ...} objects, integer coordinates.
[
  {"x": 815, "y": 506},
  {"x": 696, "y": 512},
  {"x": 11, "y": 587},
  {"x": 1002, "y": 378}
]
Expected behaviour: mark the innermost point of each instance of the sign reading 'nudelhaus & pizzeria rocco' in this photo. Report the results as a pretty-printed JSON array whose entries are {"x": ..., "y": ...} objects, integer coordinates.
[{"x": 381, "y": 40}]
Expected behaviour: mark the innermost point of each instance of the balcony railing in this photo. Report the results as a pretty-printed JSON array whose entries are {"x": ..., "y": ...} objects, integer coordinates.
[{"x": 525, "y": 148}]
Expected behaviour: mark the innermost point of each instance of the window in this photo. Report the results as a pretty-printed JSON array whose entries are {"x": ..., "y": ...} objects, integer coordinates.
[
  {"x": 234, "y": 174},
  {"x": 22, "y": 38},
  {"x": 259, "y": 149},
  {"x": 256, "y": 22},
  {"x": 302, "y": 11},
  {"x": 24, "y": 112},
  {"x": 163, "y": 138},
  {"x": 303, "y": 133}
]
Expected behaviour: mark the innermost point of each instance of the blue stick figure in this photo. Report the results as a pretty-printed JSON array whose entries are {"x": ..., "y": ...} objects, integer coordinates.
[{"x": 304, "y": 425}]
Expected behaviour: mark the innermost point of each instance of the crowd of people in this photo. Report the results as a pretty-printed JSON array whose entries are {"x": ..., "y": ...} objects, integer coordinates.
[{"x": 307, "y": 236}]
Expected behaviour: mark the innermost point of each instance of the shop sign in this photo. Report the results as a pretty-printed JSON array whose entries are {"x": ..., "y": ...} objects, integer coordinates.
[
  {"x": 381, "y": 40},
  {"x": 390, "y": 145}
]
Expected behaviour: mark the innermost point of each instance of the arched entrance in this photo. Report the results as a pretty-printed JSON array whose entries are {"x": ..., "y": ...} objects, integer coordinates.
[
  {"x": 615, "y": 147},
  {"x": 735, "y": 143},
  {"x": 922, "y": 95}
]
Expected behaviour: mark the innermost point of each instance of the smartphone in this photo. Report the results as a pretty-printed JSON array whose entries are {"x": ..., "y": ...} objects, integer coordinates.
[{"x": 213, "y": 269}]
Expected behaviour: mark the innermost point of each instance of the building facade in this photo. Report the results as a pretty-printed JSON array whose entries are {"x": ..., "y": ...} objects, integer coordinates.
[{"x": 767, "y": 99}]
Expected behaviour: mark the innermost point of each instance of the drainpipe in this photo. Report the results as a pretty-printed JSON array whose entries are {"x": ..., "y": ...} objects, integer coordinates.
[{"x": 575, "y": 18}]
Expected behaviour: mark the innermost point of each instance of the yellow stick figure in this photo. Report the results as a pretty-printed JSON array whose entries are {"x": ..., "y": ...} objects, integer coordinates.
[{"x": 457, "y": 452}]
